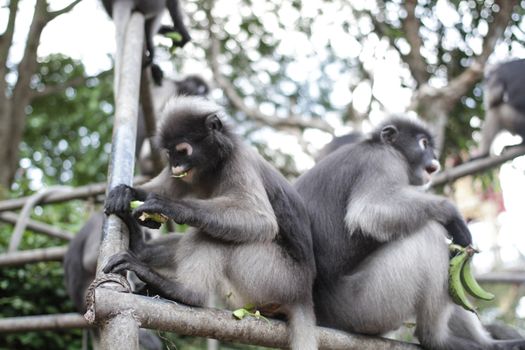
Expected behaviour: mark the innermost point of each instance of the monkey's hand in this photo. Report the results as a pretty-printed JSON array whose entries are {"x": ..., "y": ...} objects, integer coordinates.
[
  {"x": 156, "y": 204},
  {"x": 458, "y": 230},
  {"x": 126, "y": 261},
  {"x": 118, "y": 200}
]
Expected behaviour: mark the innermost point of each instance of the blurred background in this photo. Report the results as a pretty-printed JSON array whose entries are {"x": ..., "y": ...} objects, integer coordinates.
[{"x": 292, "y": 74}]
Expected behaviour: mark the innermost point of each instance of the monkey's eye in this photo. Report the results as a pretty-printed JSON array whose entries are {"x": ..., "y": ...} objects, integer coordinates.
[{"x": 423, "y": 143}]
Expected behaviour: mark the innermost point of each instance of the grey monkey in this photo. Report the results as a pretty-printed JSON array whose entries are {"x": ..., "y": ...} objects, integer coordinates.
[
  {"x": 251, "y": 236},
  {"x": 80, "y": 261},
  {"x": 504, "y": 103},
  {"x": 379, "y": 241},
  {"x": 81, "y": 257}
]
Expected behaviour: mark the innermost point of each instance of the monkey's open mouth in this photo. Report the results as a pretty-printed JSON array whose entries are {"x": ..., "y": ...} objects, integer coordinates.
[{"x": 180, "y": 171}]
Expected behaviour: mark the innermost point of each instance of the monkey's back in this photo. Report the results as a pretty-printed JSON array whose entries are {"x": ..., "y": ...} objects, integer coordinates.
[{"x": 336, "y": 249}]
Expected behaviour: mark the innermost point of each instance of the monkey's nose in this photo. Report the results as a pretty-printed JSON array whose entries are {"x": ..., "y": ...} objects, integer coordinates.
[{"x": 433, "y": 167}]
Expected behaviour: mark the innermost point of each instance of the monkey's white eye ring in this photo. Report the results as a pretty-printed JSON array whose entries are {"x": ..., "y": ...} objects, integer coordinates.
[{"x": 423, "y": 143}]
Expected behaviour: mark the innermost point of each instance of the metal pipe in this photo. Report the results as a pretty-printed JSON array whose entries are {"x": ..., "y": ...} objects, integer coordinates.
[
  {"x": 120, "y": 330},
  {"x": 32, "y": 256},
  {"x": 42, "y": 323},
  {"x": 37, "y": 226},
  {"x": 169, "y": 316}
]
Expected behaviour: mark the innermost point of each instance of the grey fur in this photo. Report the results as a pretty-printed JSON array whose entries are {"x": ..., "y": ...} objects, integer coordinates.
[
  {"x": 250, "y": 240},
  {"x": 504, "y": 106},
  {"x": 379, "y": 241},
  {"x": 337, "y": 142}
]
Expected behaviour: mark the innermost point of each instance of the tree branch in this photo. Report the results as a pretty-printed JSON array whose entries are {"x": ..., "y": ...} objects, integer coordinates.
[
  {"x": 477, "y": 166},
  {"x": 416, "y": 62},
  {"x": 293, "y": 121},
  {"x": 52, "y": 15},
  {"x": 460, "y": 85},
  {"x": 75, "y": 82},
  {"x": 6, "y": 40}
]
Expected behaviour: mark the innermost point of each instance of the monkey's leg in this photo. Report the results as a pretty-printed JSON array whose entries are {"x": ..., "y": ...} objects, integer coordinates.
[
  {"x": 178, "y": 22},
  {"x": 489, "y": 130},
  {"x": 264, "y": 274},
  {"x": 466, "y": 324},
  {"x": 404, "y": 278}
]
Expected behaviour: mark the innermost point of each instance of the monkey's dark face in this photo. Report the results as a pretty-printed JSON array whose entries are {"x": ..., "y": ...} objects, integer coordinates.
[
  {"x": 195, "y": 145},
  {"x": 416, "y": 144}
]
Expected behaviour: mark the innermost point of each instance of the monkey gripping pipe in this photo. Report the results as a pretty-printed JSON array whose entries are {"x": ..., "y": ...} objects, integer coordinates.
[{"x": 121, "y": 330}]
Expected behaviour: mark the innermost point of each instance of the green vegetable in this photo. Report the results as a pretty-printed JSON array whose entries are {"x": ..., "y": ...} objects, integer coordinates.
[
  {"x": 248, "y": 310},
  {"x": 175, "y": 36},
  {"x": 157, "y": 217}
]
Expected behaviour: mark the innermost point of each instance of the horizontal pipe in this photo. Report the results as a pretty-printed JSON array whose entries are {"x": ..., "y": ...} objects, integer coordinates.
[
  {"x": 476, "y": 166},
  {"x": 36, "y": 226},
  {"x": 42, "y": 323},
  {"x": 166, "y": 315},
  {"x": 32, "y": 256},
  {"x": 502, "y": 277},
  {"x": 77, "y": 193}
]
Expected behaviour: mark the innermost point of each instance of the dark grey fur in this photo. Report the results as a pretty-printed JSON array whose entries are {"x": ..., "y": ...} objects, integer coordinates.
[
  {"x": 337, "y": 142},
  {"x": 191, "y": 85},
  {"x": 250, "y": 240},
  {"x": 504, "y": 103},
  {"x": 80, "y": 261},
  {"x": 379, "y": 240}
]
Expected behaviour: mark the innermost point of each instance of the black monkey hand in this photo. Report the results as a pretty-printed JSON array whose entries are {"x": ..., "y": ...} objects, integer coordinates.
[
  {"x": 125, "y": 261},
  {"x": 458, "y": 230},
  {"x": 155, "y": 204},
  {"x": 118, "y": 200}
]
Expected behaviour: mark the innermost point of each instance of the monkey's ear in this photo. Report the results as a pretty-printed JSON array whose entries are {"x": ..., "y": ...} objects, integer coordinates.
[
  {"x": 213, "y": 122},
  {"x": 389, "y": 133}
]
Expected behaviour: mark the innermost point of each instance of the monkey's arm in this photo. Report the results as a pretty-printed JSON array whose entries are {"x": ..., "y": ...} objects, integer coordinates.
[
  {"x": 391, "y": 211},
  {"x": 178, "y": 22},
  {"x": 228, "y": 218}
]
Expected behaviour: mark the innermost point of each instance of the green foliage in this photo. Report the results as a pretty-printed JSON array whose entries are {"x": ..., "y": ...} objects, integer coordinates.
[
  {"x": 36, "y": 289},
  {"x": 68, "y": 133}
]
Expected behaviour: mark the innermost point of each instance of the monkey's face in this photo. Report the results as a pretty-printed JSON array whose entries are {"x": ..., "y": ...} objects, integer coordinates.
[
  {"x": 422, "y": 161},
  {"x": 417, "y": 146},
  {"x": 194, "y": 145}
]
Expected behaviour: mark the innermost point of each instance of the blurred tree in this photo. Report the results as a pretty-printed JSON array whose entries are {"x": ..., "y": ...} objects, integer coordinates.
[{"x": 16, "y": 96}]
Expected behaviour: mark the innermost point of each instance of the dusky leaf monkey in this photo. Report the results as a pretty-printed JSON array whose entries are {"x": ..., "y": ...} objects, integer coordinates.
[
  {"x": 80, "y": 261},
  {"x": 250, "y": 238},
  {"x": 379, "y": 241},
  {"x": 504, "y": 102}
]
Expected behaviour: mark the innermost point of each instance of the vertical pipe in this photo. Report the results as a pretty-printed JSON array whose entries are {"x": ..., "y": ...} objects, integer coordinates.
[
  {"x": 122, "y": 161},
  {"x": 121, "y": 330}
]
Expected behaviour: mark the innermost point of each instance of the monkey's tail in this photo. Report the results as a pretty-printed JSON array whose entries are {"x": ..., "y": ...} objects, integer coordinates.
[{"x": 303, "y": 335}]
